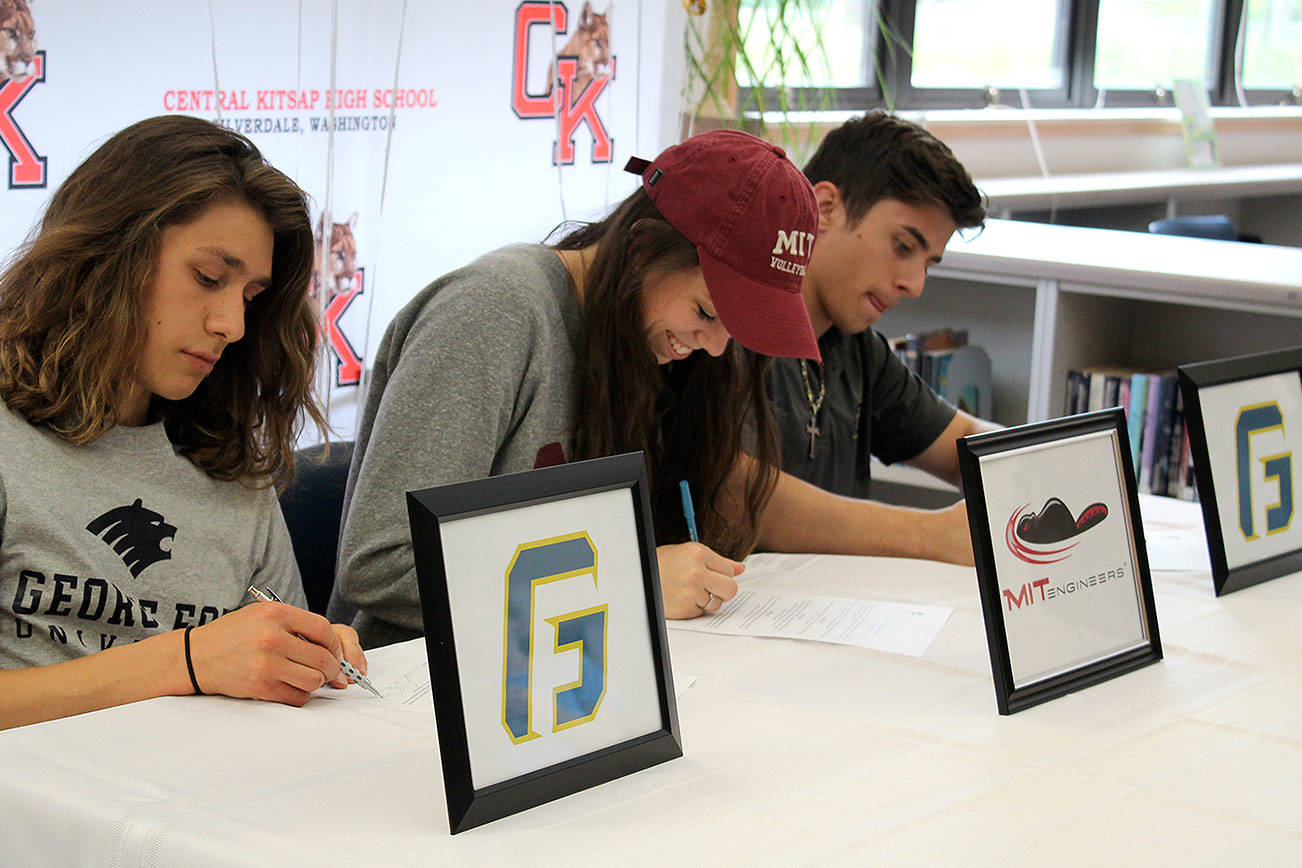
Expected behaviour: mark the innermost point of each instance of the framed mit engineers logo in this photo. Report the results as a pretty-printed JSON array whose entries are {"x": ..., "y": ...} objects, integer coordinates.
[
  {"x": 545, "y": 631},
  {"x": 1060, "y": 557},
  {"x": 1244, "y": 418}
]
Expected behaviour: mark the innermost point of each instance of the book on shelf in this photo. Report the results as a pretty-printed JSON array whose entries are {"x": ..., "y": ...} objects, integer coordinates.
[
  {"x": 1145, "y": 475},
  {"x": 1174, "y": 480},
  {"x": 1168, "y": 391},
  {"x": 1078, "y": 385},
  {"x": 1097, "y": 388},
  {"x": 913, "y": 347},
  {"x": 1135, "y": 415},
  {"x": 954, "y": 369},
  {"x": 1189, "y": 487},
  {"x": 1105, "y": 386},
  {"x": 966, "y": 381},
  {"x": 1093, "y": 391},
  {"x": 1155, "y": 425}
]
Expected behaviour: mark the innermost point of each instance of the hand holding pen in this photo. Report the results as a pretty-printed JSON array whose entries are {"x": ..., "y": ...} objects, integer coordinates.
[
  {"x": 267, "y": 595},
  {"x": 259, "y": 652},
  {"x": 694, "y": 579}
]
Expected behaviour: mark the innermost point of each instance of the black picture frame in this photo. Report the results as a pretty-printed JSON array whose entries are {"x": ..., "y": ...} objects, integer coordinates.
[
  {"x": 1205, "y": 387},
  {"x": 435, "y": 514},
  {"x": 1096, "y": 618}
]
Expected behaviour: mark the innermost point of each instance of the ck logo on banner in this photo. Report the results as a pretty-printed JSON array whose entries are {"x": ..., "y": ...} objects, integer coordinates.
[
  {"x": 583, "y": 69},
  {"x": 342, "y": 280},
  {"x": 1252, "y": 420},
  {"x": 571, "y": 557},
  {"x": 26, "y": 167}
]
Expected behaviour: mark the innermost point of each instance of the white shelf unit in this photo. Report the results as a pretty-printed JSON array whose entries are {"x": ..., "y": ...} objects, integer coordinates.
[
  {"x": 1036, "y": 193},
  {"x": 1043, "y": 299},
  {"x": 1262, "y": 200}
]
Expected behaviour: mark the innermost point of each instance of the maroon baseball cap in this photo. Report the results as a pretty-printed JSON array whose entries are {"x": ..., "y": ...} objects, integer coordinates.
[{"x": 753, "y": 219}]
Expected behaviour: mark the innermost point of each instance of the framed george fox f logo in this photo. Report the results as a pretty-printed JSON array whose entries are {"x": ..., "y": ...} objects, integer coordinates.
[
  {"x": 540, "y": 596},
  {"x": 1244, "y": 419}
]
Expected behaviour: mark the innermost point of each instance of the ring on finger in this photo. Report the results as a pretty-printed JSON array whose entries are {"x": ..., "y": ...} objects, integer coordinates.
[{"x": 708, "y": 600}]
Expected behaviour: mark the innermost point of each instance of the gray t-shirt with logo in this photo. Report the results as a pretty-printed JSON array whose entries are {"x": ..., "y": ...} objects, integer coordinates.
[{"x": 109, "y": 543}]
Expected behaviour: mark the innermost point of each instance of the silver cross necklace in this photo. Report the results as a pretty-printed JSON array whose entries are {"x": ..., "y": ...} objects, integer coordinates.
[{"x": 815, "y": 404}]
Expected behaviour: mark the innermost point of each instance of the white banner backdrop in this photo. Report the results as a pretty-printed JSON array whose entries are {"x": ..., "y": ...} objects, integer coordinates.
[{"x": 425, "y": 132}]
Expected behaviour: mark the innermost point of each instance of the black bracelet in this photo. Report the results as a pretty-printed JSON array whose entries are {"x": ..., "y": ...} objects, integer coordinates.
[{"x": 189, "y": 664}]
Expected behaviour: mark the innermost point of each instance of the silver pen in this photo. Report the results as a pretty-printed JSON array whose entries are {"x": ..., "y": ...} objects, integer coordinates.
[{"x": 267, "y": 595}]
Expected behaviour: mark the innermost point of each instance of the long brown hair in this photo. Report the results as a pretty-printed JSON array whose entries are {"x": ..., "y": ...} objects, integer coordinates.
[
  {"x": 71, "y": 327},
  {"x": 693, "y": 418}
]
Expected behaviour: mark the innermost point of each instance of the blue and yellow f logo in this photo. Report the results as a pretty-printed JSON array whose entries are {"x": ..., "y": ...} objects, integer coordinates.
[
  {"x": 1258, "y": 419},
  {"x": 533, "y": 564}
]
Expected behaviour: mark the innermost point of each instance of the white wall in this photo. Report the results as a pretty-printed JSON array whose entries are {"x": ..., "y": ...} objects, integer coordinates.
[{"x": 456, "y": 174}]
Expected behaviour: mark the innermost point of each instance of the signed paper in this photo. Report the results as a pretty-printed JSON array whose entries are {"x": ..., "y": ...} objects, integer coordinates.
[
  {"x": 900, "y": 628},
  {"x": 401, "y": 674}
]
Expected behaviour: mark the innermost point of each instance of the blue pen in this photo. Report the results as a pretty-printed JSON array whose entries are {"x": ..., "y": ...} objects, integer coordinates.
[{"x": 688, "y": 512}]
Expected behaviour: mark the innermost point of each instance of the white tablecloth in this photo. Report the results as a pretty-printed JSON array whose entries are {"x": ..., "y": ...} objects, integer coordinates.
[{"x": 794, "y": 752}]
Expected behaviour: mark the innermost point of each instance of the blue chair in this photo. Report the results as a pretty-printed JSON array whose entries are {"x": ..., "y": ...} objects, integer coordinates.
[
  {"x": 1217, "y": 226},
  {"x": 313, "y": 504}
]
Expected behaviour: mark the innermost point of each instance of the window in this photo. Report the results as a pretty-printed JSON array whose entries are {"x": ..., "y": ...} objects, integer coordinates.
[
  {"x": 819, "y": 43},
  {"x": 1272, "y": 46},
  {"x": 855, "y": 54},
  {"x": 1002, "y": 43},
  {"x": 1128, "y": 57}
]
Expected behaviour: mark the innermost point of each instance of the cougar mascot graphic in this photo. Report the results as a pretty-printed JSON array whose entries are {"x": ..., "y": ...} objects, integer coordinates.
[
  {"x": 17, "y": 39},
  {"x": 136, "y": 534},
  {"x": 590, "y": 44}
]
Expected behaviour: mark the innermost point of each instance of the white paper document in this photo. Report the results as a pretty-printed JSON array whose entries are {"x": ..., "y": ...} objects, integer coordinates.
[
  {"x": 900, "y": 628},
  {"x": 401, "y": 674},
  {"x": 1176, "y": 550}
]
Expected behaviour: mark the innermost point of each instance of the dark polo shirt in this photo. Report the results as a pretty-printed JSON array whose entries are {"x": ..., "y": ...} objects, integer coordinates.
[{"x": 874, "y": 406}]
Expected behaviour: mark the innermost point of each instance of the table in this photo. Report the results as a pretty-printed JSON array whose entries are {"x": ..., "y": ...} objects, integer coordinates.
[{"x": 795, "y": 752}]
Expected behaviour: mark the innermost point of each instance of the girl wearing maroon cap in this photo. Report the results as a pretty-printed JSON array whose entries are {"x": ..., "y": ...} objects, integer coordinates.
[{"x": 536, "y": 355}]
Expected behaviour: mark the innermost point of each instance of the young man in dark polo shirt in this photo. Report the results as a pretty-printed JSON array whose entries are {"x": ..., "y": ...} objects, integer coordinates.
[{"x": 890, "y": 195}]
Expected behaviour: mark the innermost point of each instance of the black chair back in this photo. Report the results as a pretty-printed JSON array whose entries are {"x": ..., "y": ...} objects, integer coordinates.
[{"x": 313, "y": 504}]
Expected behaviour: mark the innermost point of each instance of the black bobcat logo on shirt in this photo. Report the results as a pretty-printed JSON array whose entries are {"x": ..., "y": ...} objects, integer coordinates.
[{"x": 136, "y": 534}]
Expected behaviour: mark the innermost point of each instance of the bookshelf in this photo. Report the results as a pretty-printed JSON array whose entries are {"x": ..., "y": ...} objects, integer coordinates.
[{"x": 1043, "y": 299}]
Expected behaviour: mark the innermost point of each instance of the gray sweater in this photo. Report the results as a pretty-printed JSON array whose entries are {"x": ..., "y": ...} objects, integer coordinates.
[
  {"x": 473, "y": 378},
  {"x": 105, "y": 544}
]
